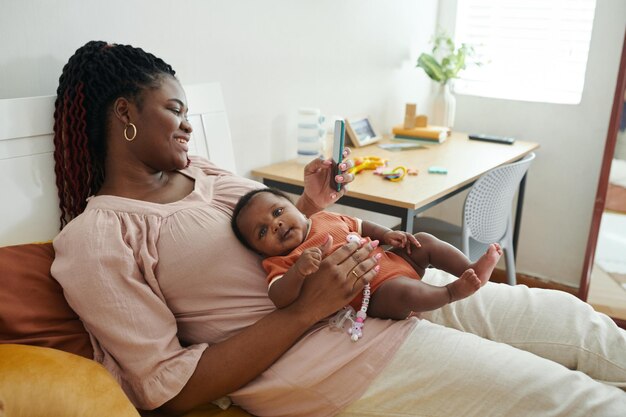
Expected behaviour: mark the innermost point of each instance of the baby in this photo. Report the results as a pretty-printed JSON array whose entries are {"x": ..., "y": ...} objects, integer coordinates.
[{"x": 266, "y": 221}]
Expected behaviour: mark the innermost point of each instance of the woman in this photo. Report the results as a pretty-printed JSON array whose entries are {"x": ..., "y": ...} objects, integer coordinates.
[{"x": 178, "y": 310}]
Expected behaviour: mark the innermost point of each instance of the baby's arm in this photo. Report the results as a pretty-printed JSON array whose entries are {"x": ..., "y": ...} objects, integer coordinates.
[
  {"x": 286, "y": 290},
  {"x": 395, "y": 238}
]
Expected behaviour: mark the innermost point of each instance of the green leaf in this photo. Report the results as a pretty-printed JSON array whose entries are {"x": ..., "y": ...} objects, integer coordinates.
[
  {"x": 431, "y": 67},
  {"x": 460, "y": 62},
  {"x": 446, "y": 61}
]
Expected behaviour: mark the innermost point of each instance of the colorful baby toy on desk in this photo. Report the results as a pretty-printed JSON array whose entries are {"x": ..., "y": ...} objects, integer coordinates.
[
  {"x": 379, "y": 165},
  {"x": 396, "y": 174},
  {"x": 367, "y": 162}
]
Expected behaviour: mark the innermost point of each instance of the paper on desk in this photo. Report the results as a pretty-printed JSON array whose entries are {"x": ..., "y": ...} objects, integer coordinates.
[{"x": 400, "y": 146}]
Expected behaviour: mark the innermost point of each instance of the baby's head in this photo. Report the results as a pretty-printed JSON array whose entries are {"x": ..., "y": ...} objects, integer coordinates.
[{"x": 267, "y": 222}]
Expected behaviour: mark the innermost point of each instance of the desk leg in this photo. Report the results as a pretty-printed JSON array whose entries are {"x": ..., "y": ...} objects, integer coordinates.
[
  {"x": 518, "y": 214},
  {"x": 407, "y": 220}
]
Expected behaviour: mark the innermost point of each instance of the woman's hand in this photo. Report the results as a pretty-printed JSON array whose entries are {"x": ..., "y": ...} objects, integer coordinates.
[
  {"x": 320, "y": 184},
  {"x": 340, "y": 277}
]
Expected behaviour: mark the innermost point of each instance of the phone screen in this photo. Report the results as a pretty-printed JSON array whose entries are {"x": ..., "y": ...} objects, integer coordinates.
[{"x": 339, "y": 135}]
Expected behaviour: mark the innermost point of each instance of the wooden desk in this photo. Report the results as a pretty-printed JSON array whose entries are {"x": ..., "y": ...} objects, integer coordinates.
[{"x": 466, "y": 160}]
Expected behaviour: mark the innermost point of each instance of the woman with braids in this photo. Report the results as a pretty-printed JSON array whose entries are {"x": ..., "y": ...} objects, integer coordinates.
[{"x": 178, "y": 311}]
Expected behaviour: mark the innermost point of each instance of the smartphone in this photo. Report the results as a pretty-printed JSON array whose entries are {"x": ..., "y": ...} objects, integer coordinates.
[{"x": 339, "y": 136}]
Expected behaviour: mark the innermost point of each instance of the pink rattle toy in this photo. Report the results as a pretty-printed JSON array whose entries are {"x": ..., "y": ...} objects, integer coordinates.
[
  {"x": 358, "y": 319},
  {"x": 356, "y": 331}
]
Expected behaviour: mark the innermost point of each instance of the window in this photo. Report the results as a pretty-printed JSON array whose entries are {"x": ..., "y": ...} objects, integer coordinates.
[{"x": 536, "y": 50}]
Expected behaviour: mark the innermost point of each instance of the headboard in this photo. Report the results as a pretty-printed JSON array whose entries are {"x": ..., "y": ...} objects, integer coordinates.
[{"x": 28, "y": 196}]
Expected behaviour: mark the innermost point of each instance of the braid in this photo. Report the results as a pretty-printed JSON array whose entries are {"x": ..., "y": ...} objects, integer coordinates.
[{"x": 93, "y": 78}]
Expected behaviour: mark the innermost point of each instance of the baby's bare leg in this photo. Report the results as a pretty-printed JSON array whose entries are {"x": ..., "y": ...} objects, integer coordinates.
[
  {"x": 446, "y": 257},
  {"x": 397, "y": 298}
]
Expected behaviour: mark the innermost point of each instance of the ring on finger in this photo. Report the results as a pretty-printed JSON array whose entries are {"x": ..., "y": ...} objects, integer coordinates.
[{"x": 356, "y": 278}]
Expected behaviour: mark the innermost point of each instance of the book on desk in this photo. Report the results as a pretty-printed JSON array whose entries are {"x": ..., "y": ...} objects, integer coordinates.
[{"x": 433, "y": 134}]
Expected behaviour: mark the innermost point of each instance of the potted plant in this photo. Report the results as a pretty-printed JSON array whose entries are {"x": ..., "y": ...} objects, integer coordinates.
[{"x": 443, "y": 64}]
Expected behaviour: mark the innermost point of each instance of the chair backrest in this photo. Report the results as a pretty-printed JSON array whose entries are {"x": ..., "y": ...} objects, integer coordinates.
[
  {"x": 29, "y": 210},
  {"x": 488, "y": 205}
]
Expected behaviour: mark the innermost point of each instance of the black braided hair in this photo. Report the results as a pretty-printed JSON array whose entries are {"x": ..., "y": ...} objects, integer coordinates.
[{"x": 93, "y": 78}]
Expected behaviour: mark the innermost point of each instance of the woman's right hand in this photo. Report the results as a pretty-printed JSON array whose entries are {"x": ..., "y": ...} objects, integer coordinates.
[{"x": 340, "y": 277}]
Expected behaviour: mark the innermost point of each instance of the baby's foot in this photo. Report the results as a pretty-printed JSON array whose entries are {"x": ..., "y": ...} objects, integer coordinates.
[
  {"x": 485, "y": 265},
  {"x": 467, "y": 284}
]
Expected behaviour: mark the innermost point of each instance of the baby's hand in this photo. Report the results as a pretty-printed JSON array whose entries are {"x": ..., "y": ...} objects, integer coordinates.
[
  {"x": 400, "y": 239},
  {"x": 309, "y": 261}
]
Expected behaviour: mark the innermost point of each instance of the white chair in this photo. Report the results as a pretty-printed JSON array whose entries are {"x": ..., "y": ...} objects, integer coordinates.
[{"x": 487, "y": 215}]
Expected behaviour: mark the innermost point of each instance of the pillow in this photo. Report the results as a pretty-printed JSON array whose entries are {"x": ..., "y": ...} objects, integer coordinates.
[
  {"x": 38, "y": 381},
  {"x": 33, "y": 310}
]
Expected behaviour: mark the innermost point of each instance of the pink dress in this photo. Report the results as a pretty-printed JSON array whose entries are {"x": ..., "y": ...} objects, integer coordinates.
[{"x": 154, "y": 289}]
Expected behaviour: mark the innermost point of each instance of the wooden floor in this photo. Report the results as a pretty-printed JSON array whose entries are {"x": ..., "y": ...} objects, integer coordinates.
[{"x": 606, "y": 295}]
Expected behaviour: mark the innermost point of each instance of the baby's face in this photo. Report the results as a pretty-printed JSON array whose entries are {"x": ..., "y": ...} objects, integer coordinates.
[{"x": 272, "y": 225}]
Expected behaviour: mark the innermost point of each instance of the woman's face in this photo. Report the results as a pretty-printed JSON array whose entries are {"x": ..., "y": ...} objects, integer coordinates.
[{"x": 162, "y": 127}]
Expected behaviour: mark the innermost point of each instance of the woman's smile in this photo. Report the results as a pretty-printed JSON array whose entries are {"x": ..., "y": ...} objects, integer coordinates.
[{"x": 183, "y": 142}]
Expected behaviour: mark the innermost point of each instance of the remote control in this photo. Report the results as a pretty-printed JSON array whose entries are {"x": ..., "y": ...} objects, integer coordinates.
[{"x": 493, "y": 138}]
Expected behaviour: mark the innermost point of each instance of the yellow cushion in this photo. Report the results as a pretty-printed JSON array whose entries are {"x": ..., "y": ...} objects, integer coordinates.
[{"x": 45, "y": 382}]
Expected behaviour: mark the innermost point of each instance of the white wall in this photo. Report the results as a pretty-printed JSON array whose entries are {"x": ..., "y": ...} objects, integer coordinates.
[
  {"x": 346, "y": 57},
  {"x": 271, "y": 56}
]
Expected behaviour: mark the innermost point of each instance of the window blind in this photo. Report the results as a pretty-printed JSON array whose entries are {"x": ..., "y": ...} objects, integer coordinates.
[{"x": 535, "y": 50}]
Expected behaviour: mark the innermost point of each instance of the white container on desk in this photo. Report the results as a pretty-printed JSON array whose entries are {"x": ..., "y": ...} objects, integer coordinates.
[{"x": 311, "y": 134}]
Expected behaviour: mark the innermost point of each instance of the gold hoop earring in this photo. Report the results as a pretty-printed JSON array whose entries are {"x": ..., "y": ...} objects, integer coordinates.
[{"x": 134, "y": 132}]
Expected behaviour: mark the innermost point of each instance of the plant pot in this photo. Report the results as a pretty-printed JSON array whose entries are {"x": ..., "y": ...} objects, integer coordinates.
[{"x": 444, "y": 107}]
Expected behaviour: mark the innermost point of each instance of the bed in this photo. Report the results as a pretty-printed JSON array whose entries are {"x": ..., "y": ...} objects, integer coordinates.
[{"x": 45, "y": 353}]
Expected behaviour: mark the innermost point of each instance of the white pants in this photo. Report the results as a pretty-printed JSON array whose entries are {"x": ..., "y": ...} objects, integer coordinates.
[{"x": 504, "y": 351}]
